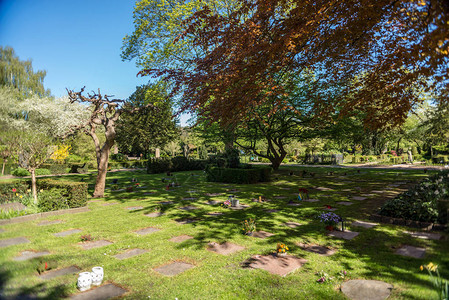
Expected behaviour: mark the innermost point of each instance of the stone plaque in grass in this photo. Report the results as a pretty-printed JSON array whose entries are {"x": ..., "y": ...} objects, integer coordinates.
[
  {"x": 321, "y": 250},
  {"x": 310, "y": 200},
  {"x": 212, "y": 202},
  {"x": 241, "y": 206},
  {"x": 411, "y": 251},
  {"x": 347, "y": 235},
  {"x": 280, "y": 197},
  {"x": 145, "y": 231},
  {"x": 214, "y": 213},
  {"x": 67, "y": 232},
  {"x": 274, "y": 264},
  {"x": 180, "y": 238},
  {"x": 292, "y": 224},
  {"x": 58, "y": 273},
  {"x": 330, "y": 209},
  {"x": 294, "y": 204},
  {"x": 189, "y": 207},
  {"x": 192, "y": 192},
  {"x": 366, "y": 289},
  {"x": 26, "y": 255},
  {"x": 189, "y": 198},
  {"x": 367, "y": 195},
  {"x": 109, "y": 203},
  {"x": 174, "y": 268},
  {"x": 213, "y": 194},
  {"x": 130, "y": 253},
  {"x": 225, "y": 248},
  {"x": 154, "y": 214},
  {"x": 48, "y": 222},
  {"x": 185, "y": 221},
  {"x": 347, "y": 203},
  {"x": 270, "y": 211},
  {"x": 346, "y": 190},
  {"x": 148, "y": 193},
  {"x": 323, "y": 189},
  {"x": 425, "y": 235},
  {"x": 103, "y": 292},
  {"x": 166, "y": 202},
  {"x": 13, "y": 241},
  {"x": 134, "y": 207},
  {"x": 94, "y": 244},
  {"x": 363, "y": 224},
  {"x": 358, "y": 198},
  {"x": 262, "y": 234},
  {"x": 378, "y": 192}
]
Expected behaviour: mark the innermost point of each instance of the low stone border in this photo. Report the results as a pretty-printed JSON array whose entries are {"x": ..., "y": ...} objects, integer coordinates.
[
  {"x": 44, "y": 214},
  {"x": 427, "y": 226}
]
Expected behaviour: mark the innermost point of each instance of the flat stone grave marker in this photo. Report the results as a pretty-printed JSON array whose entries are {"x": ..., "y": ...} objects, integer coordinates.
[
  {"x": 189, "y": 207},
  {"x": 213, "y": 194},
  {"x": 26, "y": 255},
  {"x": 294, "y": 204},
  {"x": 215, "y": 213},
  {"x": 180, "y": 238},
  {"x": 67, "y": 232},
  {"x": 285, "y": 188},
  {"x": 48, "y": 222},
  {"x": 325, "y": 195},
  {"x": 367, "y": 195},
  {"x": 189, "y": 198},
  {"x": 166, "y": 202},
  {"x": 358, "y": 198},
  {"x": 212, "y": 202},
  {"x": 145, "y": 231},
  {"x": 411, "y": 251},
  {"x": 94, "y": 244},
  {"x": 57, "y": 273},
  {"x": 330, "y": 209},
  {"x": 148, "y": 193},
  {"x": 347, "y": 235},
  {"x": 103, "y": 292},
  {"x": 320, "y": 250},
  {"x": 323, "y": 188},
  {"x": 346, "y": 190},
  {"x": 274, "y": 264},
  {"x": 130, "y": 253},
  {"x": 270, "y": 211},
  {"x": 174, "y": 268},
  {"x": 347, "y": 203},
  {"x": 241, "y": 206},
  {"x": 109, "y": 203},
  {"x": 393, "y": 185},
  {"x": 233, "y": 191},
  {"x": 262, "y": 234},
  {"x": 185, "y": 221},
  {"x": 225, "y": 248},
  {"x": 366, "y": 289},
  {"x": 154, "y": 214},
  {"x": 17, "y": 206},
  {"x": 292, "y": 224},
  {"x": 378, "y": 192},
  {"x": 13, "y": 241},
  {"x": 310, "y": 200},
  {"x": 280, "y": 197},
  {"x": 134, "y": 207},
  {"x": 191, "y": 192},
  {"x": 363, "y": 224},
  {"x": 425, "y": 235}
]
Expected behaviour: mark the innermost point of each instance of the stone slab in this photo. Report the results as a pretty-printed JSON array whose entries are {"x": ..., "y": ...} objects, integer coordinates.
[
  {"x": 48, "y": 222},
  {"x": 359, "y": 198},
  {"x": 346, "y": 203},
  {"x": 180, "y": 238},
  {"x": 317, "y": 249},
  {"x": 212, "y": 202},
  {"x": 134, "y": 207},
  {"x": 364, "y": 224},
  {"x": 13, "y": 241},
  {"x": 94, "y": 244},
  {"x": 378, "y": 192},
  {"x": 276, "y": 265},
  {"x": 241, "y": 206},
  {"x": 166, "y": 202},
  {"x": 347, "y": 235},
  {"x": 130, "y": 253},
  {"x": 189, "y": 207},
  {"x": 145, "y": 231},
  {"x": 103, "y": 292},
  {"x": 154, "y": 214},
  {"x": 174, "y": 268},
  {"x": 58, "y": 273},
  {"x": 330, "y": 209},
  {"x": 26, "y": 255},
  {"x": 280, "y": 197},
  {"x": 185, "y": 221},
  {"x": 213, "y": 194},
  {"x": 292, "y": 224},
  {"x": 192, "y": 192},
  {"x": 215, "y": 213},
  {"x": 225, "y": 248},
  {"x": 411, "y": 251},
  {"x": 262, "y": 234},
  {"x": 310, "y": 200},
  {"x": 425, "y": 235},
  {"x": 67, "y": 232},
  {"x": 148, "y": 193},
  {"x": 366, "y": 289},
  {"x": 109, "y": 203},
  {"x": 367, "y": 195},
  {"x": 189, "y": 198},
  {"x": 323, "y": 189},
  {"x": 17, "y": 206},
  {"x": 294, "y": 204},
  {"x": 270, "y": 211}
]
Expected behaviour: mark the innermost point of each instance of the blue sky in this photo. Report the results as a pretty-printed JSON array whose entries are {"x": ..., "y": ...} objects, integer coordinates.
[{"x": 76, "y": 42}]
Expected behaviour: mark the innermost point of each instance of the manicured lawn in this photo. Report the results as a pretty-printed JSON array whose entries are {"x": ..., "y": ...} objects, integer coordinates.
[{"x": 370, "y": 255}]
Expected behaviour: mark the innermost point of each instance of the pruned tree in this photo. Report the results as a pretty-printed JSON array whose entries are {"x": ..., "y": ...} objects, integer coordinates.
[{"x": 105, "y": 113}]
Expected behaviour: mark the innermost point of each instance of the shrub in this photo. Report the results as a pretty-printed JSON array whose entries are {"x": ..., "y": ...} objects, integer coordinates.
[
  {"x": 21, "y": 172},
  {"x": 9, "y": 191},
  {"x": 231, "y": 175},
  {"x": 74, "y": 192},
  {"x": 52, "y": 199},
  {"x": 43, "y": 172},
  {"x": 78, "y": 168},
  {"x": 176, "y": 164},
  {"x": 118, "y": 157}
]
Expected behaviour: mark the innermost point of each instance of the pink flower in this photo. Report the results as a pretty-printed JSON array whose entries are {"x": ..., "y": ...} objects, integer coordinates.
[{"x": 14, "y": 190}]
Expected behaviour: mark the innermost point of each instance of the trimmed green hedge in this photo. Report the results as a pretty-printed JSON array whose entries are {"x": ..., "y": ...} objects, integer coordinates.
[
  {"x": 175, "y": 164},
  {"x": 243, "y": 176},
  {"x": 74, "y": 193}
]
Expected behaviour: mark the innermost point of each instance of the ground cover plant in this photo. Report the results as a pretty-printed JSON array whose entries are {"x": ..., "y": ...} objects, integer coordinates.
[{"x": 122, "y": 217}]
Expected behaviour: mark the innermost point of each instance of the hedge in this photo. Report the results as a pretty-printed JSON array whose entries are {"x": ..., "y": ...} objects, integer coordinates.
[
  {"x": 243, "y": 176},
  {"x": 175, "y": 164},
  {"x": 74, "y": 193}
]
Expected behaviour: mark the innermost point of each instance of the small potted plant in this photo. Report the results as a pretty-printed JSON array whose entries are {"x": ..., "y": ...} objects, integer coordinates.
[
  {"x": 303, "y": 194},
  {"x": 249, "y": 226},
  {"x": 330, "y": 219},
  {"x": 281, "y": 249},
  {"x": 226, "y": 204}
]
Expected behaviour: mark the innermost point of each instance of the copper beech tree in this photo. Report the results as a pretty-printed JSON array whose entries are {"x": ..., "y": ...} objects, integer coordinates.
[
  {"x": 105, "y": 112},
  {"x": 377, "y": 53}
]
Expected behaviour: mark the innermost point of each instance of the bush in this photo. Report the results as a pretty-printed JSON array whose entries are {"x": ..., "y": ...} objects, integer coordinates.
[
  {"x": 233, "y": 175},
  {"x": 52, "y": 199},
  {"x": 176, "y": 164},
  {"x": 78, "y": 168},
  {"x": 43, "y": 172},
  {"x": 74, "y": 192},
  {"x": 118, "y": 157},
  {"x": 21, "y": 172},
  {"x": 7, "y": 192}
]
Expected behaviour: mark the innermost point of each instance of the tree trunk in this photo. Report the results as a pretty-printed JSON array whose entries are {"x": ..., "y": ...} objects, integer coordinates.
[
  {"x": 3, "y": 167},
  {"x": 33, "y": 184},
  {"x": 276, "y": 161},
  {"x": 102, "y": 166}
]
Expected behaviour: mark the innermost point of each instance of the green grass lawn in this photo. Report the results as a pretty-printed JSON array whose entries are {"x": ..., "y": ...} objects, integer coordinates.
[{"x": 368, "y": 256}]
